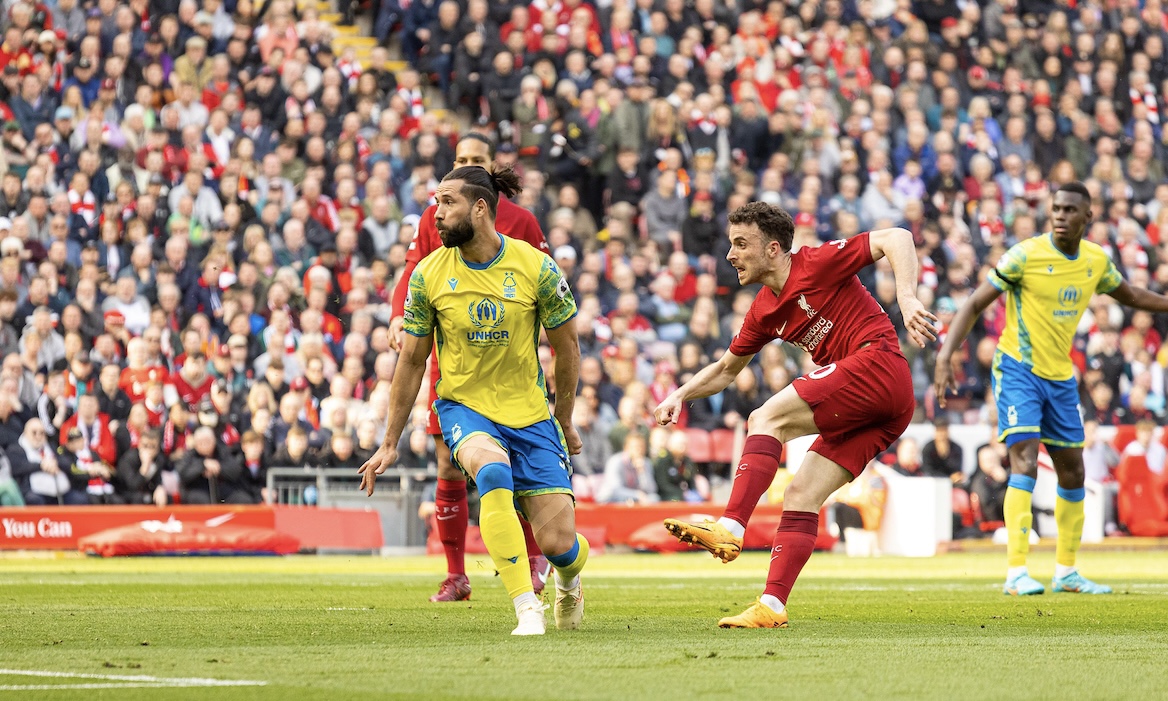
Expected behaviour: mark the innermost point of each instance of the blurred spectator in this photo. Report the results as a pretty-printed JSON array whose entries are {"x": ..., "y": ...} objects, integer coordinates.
[
  {"x": 209, "y": 474},
  {"x": 140, "y": 472},
  {"x": 988, "y": 483},
  {"x": 676, "y": 475},
  {"x": 36, "y": 469},
  {"x": 628, "y": 475},
  {"x": 1153, "y": 451},
  {"x": 908, "y": 459},
  {"x": 941, "y": 457},
  {"x": 1099, "y": 463}
]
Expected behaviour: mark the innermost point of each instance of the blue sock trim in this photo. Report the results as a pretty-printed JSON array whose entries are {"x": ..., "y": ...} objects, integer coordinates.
[
  {"x": 1022, "y": 482},
  {"x": 565, "y": 559},
  {"x": 494, "y": 475},
  {"x": 1072, "y": 495}
]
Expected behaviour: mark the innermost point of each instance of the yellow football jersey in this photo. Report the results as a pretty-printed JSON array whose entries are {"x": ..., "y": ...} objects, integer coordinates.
[
  {"x": 486, "y": 320},
  {"x": 1046, "y": 295}
]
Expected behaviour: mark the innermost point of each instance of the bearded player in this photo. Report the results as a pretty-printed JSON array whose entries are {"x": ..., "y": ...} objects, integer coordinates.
[
  {"x": 859, "y": 401},
  {"x": 484, "y": 298},
  {"x": 451, "y": 510}
]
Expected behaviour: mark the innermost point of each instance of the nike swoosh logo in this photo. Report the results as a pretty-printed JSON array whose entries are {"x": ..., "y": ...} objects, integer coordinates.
[
  {"x": 782, "y": 329},
  {"x": 446, "y": 518},
  {"x": 218, "y": 520}
]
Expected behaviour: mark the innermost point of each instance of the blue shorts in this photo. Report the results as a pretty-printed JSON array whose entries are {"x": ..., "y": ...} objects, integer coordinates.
[
  {"x": 1031, "y": 407},
  {"x": 538, "y": 453}
]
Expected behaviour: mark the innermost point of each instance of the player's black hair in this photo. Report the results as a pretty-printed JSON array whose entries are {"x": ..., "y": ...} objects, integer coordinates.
[
  {"x": 774, "y": 222},
  {"x": 1076, "y": 188},
  {"x": 478, "y": 184},
  {"x": 475, "y": 136}
]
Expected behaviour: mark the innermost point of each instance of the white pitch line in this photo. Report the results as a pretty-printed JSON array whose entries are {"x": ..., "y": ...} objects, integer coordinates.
[
  {"x": 140, "y": 678},
  {"x": 112, "y": 685}
]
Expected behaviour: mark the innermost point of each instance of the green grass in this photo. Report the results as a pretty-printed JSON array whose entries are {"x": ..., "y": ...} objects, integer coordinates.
[{"x": 361, "y": 628}]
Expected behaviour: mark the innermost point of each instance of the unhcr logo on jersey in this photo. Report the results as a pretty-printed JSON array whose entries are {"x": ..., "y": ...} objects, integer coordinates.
[
  {"x": 485, "y": 316},
  {"x": 1069, "y": 296}
]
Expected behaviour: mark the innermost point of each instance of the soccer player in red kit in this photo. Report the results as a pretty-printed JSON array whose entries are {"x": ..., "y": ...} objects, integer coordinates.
[
  {"x": 450, "y": 500},
  {"x": 859, "y": 400}
]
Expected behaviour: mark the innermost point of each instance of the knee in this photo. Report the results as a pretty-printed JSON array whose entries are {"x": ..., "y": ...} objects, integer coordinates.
[
  {"x": 762, "y": 421},
  {"x": 794, "y": 496},
  {"x": 556, "y": 538},
  {"x": 494, "y": 476},
  {"x": 1071, "y": 476}
]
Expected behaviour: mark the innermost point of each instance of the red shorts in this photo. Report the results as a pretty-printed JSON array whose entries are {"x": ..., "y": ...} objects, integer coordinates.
[{"x": 862, "y": 404}]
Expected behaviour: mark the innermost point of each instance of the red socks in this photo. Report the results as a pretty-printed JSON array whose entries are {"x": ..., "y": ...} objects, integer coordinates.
[
  {"x": 451, "y": 517},
  {"x": 793, "y": 544},
  {"x": 532, "y": 546},
  {"x": 756, "y": 470}
]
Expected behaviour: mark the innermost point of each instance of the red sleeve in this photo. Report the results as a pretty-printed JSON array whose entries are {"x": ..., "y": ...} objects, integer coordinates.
[
  {"x": 532, "y": 233},
  {"x": 836, "y": 261},
  {"x": 425, "y": 241},
  {"x": 752, "y": 336}
]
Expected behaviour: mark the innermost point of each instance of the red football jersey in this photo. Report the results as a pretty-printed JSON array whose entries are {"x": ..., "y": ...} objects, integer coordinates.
[
  {"x": 192, "y": 394},
  {"x": 822, "y": 308},
  {"x": 511, "y": 220}
]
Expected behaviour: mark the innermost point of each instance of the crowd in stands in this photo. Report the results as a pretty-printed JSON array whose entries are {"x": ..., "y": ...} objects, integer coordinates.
[{"x": 204, "y": 208}]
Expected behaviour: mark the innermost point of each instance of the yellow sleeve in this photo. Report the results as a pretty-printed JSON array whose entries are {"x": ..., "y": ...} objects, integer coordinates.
[
  {"x": 554, "y": 297},
  {"x": 1110, "y": 279},
  {"x": 418, "y": 317}
]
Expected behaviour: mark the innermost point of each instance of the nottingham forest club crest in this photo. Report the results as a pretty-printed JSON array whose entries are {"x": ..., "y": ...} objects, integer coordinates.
[
  {"x": 509, "y": 286},
  {"x": 486, "y": 315}
]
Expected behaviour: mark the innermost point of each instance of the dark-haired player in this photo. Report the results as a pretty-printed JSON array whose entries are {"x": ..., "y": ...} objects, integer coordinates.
[
  {"x": 1049, "y": 281},
  {"x": 485, "y": 297},
  {"x": 450, "y": 498},
  {"x": 859, "y": 400}
]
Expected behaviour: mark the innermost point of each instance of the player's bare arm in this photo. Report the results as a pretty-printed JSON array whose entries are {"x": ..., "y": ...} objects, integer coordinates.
[
  {"x": 897, "y": 245},
  {"x": 978, "y": 302},
  {"x": 710, "y": 380},
  {"x": 1139, "y": 298},
  {"x": 566, "y": 344},
  {"x": 407, "y": 380}
]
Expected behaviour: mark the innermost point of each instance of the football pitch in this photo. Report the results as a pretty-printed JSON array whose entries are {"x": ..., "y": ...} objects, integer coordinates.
[{"x": 362, "y": 628}]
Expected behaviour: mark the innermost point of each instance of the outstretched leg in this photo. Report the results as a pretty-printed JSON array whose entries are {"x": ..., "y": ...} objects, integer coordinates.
[{"x": 783, "y": 417}]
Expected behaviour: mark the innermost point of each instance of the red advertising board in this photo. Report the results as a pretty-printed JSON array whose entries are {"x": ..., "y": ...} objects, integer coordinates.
[{"x": 47, "y": 528}]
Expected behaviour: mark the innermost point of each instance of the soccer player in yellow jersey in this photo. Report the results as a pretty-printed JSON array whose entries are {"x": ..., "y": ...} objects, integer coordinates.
[
  {"x": 484, "y": 297},
  {"x": 1048, "y": 281}
]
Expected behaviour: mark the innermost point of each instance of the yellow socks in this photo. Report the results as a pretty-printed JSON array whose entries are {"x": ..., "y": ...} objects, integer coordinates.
[
  {"x": 500, "y": 527},
  {"x": 1019, "y": 519},
  {"x": 1068, "y": 514}
]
